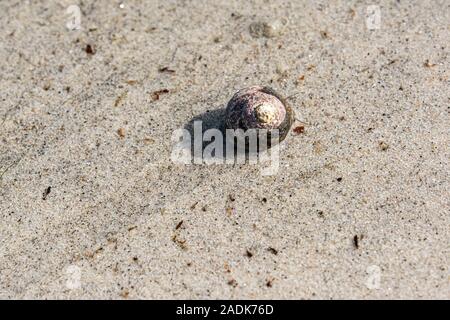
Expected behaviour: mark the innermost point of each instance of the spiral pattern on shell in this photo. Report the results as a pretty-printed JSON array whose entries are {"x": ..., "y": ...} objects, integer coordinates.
[{"x": 259, "y": 108}]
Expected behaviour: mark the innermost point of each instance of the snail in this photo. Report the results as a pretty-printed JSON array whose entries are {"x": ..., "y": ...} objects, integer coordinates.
[{"x": 259, "y": 107}]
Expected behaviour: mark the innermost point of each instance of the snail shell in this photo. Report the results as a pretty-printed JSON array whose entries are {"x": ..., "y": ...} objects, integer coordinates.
[{"x": 259, "y": 108}]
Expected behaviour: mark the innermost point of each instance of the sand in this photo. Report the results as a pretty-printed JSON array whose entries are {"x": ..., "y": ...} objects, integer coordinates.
[{"x": 92, "y": 206}]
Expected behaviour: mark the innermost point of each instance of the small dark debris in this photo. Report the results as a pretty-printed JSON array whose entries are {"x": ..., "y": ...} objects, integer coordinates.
[
  {"x": 46, "y": 193},
  {"x": 231, "y": 198},
  {"x": 121, "y": 132},
  {"x": 352, "y": 12},
  {"x": 356, "y": 241},
  {"x": 299, "y": 129},
  {"x": 204, "y": 209},
  {"x": 339, "y": 179},
  {"x": 269, "y": 283},
  {"x": 236, "y": 15},
  {"x": 324, "y": 34},
  {"x": 179, "y": 225},
  {"x": 89, "y": 49},
  {"x": 157, "y": 94},
  {"x": 166, "y": 70},
  {"x": 272, "y": 250},
  {"x": 428, "y": 64},
  {"x": 179, "y": 242},
  {"x": 264, "y": 200},
  {"x": 132, "y": 228},
  {"x": 194, "y": 205},
  {"x": 135, "y": 259},
  {"x": 233, "y": 283},
  {"x": 392, "y": 62},
  {"x": 383, "y": 146},
  {"x": 248, "y": 254}
]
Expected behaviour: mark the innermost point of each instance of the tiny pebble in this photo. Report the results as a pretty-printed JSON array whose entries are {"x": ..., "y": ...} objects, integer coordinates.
[
  {"x": 121, "y": 132},
  {"x": 269, "y": 29},
  {"x": 383, "y": 146},
  {"x": 275, "y": 28}
]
